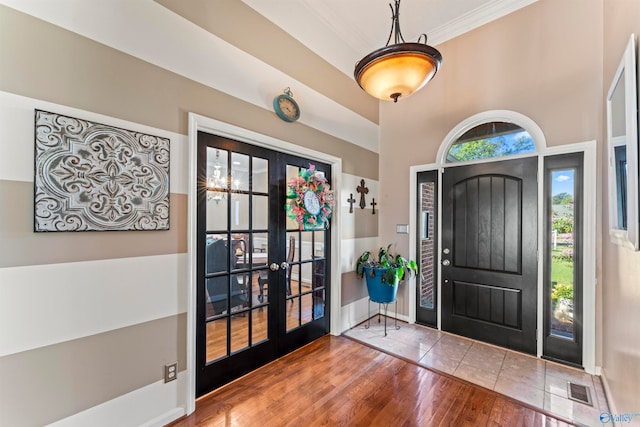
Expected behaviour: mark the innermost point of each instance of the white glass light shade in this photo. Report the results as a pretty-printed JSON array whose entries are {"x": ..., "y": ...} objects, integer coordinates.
[{"x": 398, "y": 70}]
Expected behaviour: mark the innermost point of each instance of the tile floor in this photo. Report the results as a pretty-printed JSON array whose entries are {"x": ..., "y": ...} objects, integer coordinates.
[{"x": 537, "y": 382}]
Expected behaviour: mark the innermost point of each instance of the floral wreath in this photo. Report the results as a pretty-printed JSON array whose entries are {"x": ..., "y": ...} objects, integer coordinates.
[{"x": 309, "y": 199}]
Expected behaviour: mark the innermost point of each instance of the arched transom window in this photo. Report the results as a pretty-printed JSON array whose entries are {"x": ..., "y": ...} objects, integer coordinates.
[
  {"x": 491, "y": 135},
  {"x": 488, "y": 140}
]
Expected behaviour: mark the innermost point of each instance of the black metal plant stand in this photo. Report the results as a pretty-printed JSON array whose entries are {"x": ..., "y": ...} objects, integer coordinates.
[{"x": 386, "y": 309}]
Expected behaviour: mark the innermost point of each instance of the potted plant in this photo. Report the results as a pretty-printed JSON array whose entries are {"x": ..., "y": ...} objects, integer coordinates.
[{"x": 384, "y": 273}]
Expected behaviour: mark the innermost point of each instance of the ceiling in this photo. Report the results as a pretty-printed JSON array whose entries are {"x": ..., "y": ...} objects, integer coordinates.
[{"x": 343, "y": 31}]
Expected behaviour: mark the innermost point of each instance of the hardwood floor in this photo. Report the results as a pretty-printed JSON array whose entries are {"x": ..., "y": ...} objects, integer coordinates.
[{"x": 336, "y": 381}]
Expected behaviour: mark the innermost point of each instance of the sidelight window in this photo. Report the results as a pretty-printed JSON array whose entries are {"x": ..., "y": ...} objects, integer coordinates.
[
  {"x": 563, "y": 258},
  {"x": 562, "y": 252}
]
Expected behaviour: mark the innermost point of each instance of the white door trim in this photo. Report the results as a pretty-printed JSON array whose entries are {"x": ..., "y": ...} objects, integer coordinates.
[{"x": 216, "y": 127}]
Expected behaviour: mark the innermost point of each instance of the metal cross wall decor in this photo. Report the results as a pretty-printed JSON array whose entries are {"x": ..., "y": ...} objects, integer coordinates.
[
  {"x": 95, "y": 177},
  {"x": 351, "y": 201},
  {"x": 362, "y": 190}
]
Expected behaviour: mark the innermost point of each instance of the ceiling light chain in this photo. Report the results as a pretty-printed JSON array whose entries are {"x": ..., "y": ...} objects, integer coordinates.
[{"x": 395, "y": 24}]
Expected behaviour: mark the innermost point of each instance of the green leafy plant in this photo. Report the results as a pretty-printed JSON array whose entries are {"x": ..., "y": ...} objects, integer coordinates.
[
  {"x": 395, "y": 266},
  {"x": 561, "y": 290},
  {"x": 564, "y": 223}
]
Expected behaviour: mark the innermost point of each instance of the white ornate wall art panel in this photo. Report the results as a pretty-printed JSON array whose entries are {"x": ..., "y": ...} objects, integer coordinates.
[{"x": 94, "y": 177}]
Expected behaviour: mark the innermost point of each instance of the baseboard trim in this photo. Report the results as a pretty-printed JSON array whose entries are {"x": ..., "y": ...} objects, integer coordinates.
[
  {"x": 607, "y": 392},
  {"x": 165, "y": 418},
  {"x": 355, "y": 313},
  {"x": 358, "y": 311}
]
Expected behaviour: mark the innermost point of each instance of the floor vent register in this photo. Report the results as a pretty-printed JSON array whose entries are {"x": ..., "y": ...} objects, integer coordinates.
[{"x": 579, "y": 393}]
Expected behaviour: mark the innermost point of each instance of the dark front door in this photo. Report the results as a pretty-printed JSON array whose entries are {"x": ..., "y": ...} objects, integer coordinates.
[
  {"x": 489, "y": 252},
  {"x": 262, "y": 283}
]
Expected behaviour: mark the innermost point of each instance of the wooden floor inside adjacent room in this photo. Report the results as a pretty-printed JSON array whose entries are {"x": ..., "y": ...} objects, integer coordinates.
[{"x": 336, "y": 381}]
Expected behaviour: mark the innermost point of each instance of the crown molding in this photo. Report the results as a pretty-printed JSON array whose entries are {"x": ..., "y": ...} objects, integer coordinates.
[{"x": 474, "y": 19}]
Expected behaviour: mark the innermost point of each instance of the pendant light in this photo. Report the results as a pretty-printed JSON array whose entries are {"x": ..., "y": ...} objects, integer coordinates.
[{"x": 400, "y": 69}]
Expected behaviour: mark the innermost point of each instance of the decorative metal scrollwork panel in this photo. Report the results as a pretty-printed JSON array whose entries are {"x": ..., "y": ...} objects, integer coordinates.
[{"x": 94, "y": 177}]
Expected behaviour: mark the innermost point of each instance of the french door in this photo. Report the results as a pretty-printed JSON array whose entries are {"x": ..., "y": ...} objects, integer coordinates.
[
  {"x": 489, "y": 252},
  {"x": 262, "y": 283}
]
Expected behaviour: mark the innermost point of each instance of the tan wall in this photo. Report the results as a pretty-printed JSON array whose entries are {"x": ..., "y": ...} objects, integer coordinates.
[
  {"x": 88, "y": 320},
  {"x": 222, "y": 18},
  {"x": 620, "y": 266},
  {"x": 543, "y": 61}
]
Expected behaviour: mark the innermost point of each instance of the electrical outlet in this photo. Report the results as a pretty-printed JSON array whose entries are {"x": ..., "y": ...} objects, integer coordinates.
[{"x": 170, "y": 372}]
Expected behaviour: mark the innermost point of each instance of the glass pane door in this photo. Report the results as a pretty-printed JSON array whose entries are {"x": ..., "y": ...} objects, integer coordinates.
[
  {"x": 236, "y": 319},
  {"x": 262, "y": 282},
  {"x": 236, "y": 252},
  {"x": 306, "y": 289}
]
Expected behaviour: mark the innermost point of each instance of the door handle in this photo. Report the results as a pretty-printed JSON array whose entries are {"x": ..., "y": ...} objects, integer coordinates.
[
  {"x": 274, "y": 267},
  {"x": 446, "y": 262},
  {"x": 284, "y": 265}
]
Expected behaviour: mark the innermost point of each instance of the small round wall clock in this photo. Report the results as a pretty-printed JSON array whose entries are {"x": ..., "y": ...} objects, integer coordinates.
[{"x": 286, "y": 107}]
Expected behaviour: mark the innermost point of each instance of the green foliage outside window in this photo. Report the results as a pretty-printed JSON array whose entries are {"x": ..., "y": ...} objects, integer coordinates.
[
  {"x": 563, "y": 224},
  {"x": 562, "y": 199},
  {"x": 561, "y": 290},
  {"x": 489, "y": 148}
]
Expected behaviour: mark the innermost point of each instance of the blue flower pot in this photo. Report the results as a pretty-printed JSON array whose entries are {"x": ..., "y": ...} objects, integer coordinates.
[{"x": 378, "y": 291}]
